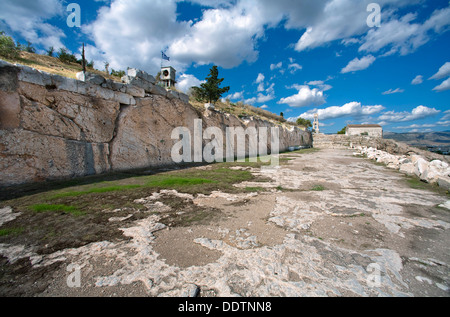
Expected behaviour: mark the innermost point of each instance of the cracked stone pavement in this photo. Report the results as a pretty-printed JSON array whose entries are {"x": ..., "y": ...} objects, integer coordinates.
[{"x": 362, "y": 232}]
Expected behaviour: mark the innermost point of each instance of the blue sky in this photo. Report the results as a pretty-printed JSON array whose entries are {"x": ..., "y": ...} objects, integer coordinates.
[{"x": 291, "y": 56}]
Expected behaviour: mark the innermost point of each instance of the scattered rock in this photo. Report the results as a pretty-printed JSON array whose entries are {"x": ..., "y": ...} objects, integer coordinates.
[{"x": 433, "y": 172}]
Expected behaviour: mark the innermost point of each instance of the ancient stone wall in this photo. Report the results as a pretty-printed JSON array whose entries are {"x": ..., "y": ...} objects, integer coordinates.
[
  {"x": 53, "y": 127},
  {"x": 387, "y": 145},
  {"x": 429, "y": 167}
]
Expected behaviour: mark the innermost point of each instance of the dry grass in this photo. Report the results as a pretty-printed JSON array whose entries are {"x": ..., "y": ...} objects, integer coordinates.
[
  {"x": 242, "y": 110},
  {"x": 53, "y": 65}
]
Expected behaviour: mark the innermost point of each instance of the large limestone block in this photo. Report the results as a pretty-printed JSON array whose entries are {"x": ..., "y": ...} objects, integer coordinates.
[
  {"x": 70, "y": 115},
  {"x": 34, "y": 76},
  {"x": 135, "y": 91},
  {"x": 444, "y": 182},
  {"x": 172, "y": 94},
  {"x": 134, "y": 72},
  {"x": 9, "y": 110},
  {"x": 30, "y": 156},
  {"x": 144, "y": 135},
  {"x": 8, "y": 77},
  {"x": 118, "y": 87},
  {"x": 420, "y": 166},
  {"x": 44, "y": 120},
  {"x": 184, "y": 97},
  {"x": 407, "y": 168},
  {"x": 123, "y": 98},
  {"x": 142, "y": 83},
  {"x": 157, "y": 90},
  {"x": 64, "y": 83},
  {"x": 91, "y": 78}
]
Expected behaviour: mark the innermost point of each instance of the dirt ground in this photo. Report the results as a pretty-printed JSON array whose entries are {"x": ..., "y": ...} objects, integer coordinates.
[{"x": 325, "y": 224}]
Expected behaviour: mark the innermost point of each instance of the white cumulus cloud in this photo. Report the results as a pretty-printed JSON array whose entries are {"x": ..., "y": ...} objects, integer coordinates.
[
  {"x": 417, "y": 80},
  {"x": 444, "y": 71},
  {"x": 305, "y": 97},
  {"x": 28, "y": 19},
  {"x": 187, "y": 81},
  {"x": 419, "y": 112},
  {"x": 358, "y": 64},
  {"x": 349, "y": 109},
  {"x": 445, "y": 85}
]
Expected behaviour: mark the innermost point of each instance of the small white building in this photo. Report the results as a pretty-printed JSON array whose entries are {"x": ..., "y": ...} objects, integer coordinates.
[
  {"x": 168, "y": 76},
  {"x": 372, "y": 130}
]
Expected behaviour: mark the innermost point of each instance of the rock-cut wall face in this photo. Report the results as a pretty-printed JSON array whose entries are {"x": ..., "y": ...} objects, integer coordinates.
[{"x": 53, "y": 127}]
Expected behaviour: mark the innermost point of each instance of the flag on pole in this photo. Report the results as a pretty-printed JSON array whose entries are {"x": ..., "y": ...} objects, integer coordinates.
[{"x": 164, "y": 56}]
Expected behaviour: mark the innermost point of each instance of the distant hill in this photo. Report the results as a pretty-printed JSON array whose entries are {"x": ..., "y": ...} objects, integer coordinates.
[{"x": 426, "y": 139}]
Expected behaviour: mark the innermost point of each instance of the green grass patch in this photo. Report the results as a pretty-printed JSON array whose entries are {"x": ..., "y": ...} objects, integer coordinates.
[
  {"x": 306, "y": 151},
  {"x": 192, "y": 180},
  {"x": 318, "y": 188},
  {"x": 178, "y": 181},
  {"x": 416, "y": 183},
  {"x": 10, "y": 231},
  {"x": 254, "y": 189},
  {"x": 57, "y": 208},
  {"x": 94, "y": 190}
]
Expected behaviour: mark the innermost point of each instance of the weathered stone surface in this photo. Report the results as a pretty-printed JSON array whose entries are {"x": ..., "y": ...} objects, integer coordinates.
[
  {"x": 157, "y": 90},
  {"x": 141, "y": 83},
  {"x": 92, "y": 78},
  {"x": 420, "y": 167},
  {"x": 8, "y": 77},
  {"x": 143, "y": 139},
  {"x": 64, "y": 83},
  {"x": 70, "y": 115},
  {"x": 444, "y": 182},
  {"x": 183, "y": 97},
  {"x": 133, "y": 72},
  {"x": 34, "y": 76},
  {"x": 44, "y": 120},
  {"x": 407, "y": 168},
  {"x": 172, "y": 94},
  {"x": 118, "y": 87},
  {"x": 56, "y": 127},
  {"x": 123, "y": 98},
  {"x": 9, "y": 110},
  {"x": 29, "y": 156},
  {"x": 135, "y": 91}
]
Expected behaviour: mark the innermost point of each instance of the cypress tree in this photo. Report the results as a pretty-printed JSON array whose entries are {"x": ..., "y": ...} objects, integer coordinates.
[{"x": 211, "y": 91}]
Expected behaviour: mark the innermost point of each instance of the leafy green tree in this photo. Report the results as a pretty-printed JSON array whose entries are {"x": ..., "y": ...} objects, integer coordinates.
[
  {"x": 304, "y": 122},
  {"x": 8, "y": 48},
  {"x": 65, "y": 57},
  {"x": 29, "y": 48},
  {"x": 342, "y": 131},
  {"x": 210, "y": 91},
  {"x": 117, "y": 73},
  {"x": 51, "y": 51}
]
